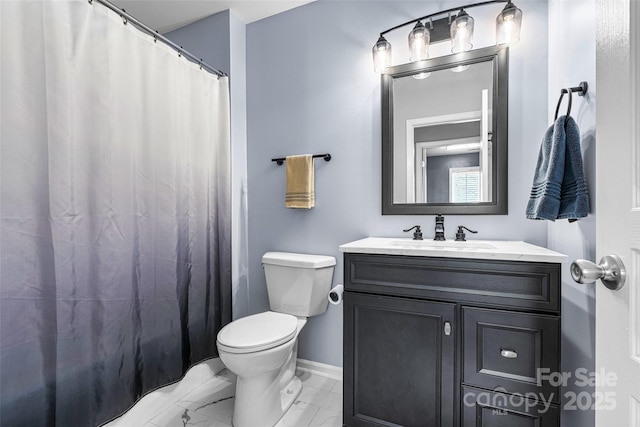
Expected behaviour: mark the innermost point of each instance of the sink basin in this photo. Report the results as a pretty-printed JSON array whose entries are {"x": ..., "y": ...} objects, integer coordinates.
[{"x": 439, "y": 245}]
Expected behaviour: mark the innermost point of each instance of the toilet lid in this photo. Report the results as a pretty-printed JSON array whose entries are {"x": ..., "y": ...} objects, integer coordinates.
[{"x": 258, "y": 332}]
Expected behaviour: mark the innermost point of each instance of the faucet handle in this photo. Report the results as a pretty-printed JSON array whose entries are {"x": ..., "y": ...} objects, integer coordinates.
[
  {"x": 439, "y": 228},
  {"x": 417, "y": 235},
  {"x": 460, "y": 236}
]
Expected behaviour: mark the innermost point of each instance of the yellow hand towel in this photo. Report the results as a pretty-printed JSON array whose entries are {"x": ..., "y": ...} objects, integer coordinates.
[{"x": 300, "y": 182}]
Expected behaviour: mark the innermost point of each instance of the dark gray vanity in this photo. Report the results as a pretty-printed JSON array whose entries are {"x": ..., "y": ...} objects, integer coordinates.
[{"x": 450, "y": 333}]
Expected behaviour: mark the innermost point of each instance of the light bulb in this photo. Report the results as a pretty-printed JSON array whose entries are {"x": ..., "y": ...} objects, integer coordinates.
[
  {"x": 508, "y": 25},
  {"x": 381, "y": 55},
  {"x": 421, "y": 76},
  {"x": 419, "y": 39},
  {"x": 461, "y": 33},
  {"x": 460, "y": 68}
]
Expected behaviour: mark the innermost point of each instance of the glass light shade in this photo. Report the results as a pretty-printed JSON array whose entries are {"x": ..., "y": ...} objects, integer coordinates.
[
  {"x": 381, "y": 55},
  {"x": 461, "y": 33},
  {"x": 419, "y": 39},
  {"x": 508, "y": 25}
]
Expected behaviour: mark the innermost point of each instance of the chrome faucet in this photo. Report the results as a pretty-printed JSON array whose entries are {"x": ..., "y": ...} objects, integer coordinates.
[{"x": 439, "y": 228}]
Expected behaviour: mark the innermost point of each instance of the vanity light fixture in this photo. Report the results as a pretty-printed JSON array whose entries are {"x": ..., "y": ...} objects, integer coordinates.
[{"x": 457, "y": 27}]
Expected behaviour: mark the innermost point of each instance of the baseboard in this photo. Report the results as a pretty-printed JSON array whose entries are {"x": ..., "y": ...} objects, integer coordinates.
[{"x": 329, "y": 371}]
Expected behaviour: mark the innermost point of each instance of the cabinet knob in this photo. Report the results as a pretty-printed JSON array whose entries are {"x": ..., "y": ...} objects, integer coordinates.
[
  {"x": 447, "y": 328},
  {"x": 509, "y": 354}
]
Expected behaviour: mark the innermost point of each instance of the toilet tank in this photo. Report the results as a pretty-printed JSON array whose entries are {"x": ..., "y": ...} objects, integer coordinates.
[{"x": 298, "y": 284}]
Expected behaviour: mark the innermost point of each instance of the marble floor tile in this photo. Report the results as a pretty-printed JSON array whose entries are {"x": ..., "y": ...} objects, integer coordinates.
[
  {"x": 317, "y": 381},
  {"x": 213, "y": 390},
  {"x": 327, "y": 418},
  {"x": 337, "y": 387},
  {"x": 157, "y": 401},
  {"x": 311, "y": 394},
  {"x": 210, "y": 404},
  {"x": 300, "y": 414},
  {"x": 332, "y": 402}
]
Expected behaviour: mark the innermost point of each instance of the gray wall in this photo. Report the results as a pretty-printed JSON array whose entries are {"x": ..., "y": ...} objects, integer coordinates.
[
  {"x": 220, "y": 40},
  {"x": 573, "y": 22},
  {"x": 438, "y": 173},
  {"x": 311, "y": 89}
]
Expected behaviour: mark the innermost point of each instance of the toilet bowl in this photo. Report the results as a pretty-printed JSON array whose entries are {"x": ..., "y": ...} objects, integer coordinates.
[
  {"x": 262, "y": 349},
  {"x": 265, "y": 365}
]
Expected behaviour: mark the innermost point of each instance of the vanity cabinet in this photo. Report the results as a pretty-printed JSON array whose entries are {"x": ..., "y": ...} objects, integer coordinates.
[{"x": 437, "y": 341}]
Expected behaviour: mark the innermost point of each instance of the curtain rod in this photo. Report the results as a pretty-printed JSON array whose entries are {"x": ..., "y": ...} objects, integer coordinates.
[{"x": 157, "y": 36}]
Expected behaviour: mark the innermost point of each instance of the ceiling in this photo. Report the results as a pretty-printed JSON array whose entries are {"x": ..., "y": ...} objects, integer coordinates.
[{"x": 167, "y": 15}]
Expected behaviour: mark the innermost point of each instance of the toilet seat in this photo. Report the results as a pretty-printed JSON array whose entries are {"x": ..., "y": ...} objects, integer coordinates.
[{"x": 257, "y": 332}]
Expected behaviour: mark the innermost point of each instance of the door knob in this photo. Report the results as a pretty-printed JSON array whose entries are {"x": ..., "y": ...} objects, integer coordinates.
[{"x": 610, "y": 271}]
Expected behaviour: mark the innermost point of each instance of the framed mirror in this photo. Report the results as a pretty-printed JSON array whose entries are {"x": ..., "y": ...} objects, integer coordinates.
[{"x": 444, "y": 135}]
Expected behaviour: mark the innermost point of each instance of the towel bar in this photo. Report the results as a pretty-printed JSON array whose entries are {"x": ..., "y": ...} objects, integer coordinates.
[{"x": 281, "y": 160}]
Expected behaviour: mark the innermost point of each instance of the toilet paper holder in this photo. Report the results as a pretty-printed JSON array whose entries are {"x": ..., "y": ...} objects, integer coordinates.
[{"x": 335, "y": 295}]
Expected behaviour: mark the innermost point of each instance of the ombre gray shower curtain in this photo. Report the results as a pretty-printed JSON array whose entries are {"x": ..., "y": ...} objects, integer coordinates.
[{"x": 114, "y": 214}]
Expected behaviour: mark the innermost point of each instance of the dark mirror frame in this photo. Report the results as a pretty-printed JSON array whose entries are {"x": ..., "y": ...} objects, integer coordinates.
[{"x": 498, "y": 206}]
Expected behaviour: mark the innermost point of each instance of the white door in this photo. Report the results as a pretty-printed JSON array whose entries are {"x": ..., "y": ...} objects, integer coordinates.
[{"x": 618, "y": 210}]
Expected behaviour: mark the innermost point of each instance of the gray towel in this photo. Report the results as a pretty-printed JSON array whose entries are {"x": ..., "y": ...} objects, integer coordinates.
[
  {"x": 574, "y": 195},
  {"x": 559, "y": 188}
]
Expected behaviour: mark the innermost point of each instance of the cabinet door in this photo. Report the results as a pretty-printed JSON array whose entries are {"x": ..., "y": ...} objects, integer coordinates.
[{"x": 399, "y": 362}]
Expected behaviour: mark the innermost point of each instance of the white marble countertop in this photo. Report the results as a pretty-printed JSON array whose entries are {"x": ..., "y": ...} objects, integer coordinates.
[{"x": 473, "y": 249}]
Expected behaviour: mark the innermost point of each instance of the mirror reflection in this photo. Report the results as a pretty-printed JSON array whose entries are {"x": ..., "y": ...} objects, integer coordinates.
[{"x": 444, "y": 135}]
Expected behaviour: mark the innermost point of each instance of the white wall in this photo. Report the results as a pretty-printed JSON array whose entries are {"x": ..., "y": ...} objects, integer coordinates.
[{"x": 572, "y": 56}]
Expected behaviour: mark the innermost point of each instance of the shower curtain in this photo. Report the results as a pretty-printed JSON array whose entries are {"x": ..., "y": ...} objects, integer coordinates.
[{"x": 114, "y": 210}]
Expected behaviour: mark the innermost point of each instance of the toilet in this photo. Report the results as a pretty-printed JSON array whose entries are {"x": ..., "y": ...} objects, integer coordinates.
[{"x": 262, "y": 349}]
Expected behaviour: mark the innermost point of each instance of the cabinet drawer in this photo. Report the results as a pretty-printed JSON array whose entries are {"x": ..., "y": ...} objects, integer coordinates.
[
  {"x": 481, "y": 408},
  {"x": 504, "y": 351},
  {"x": 512, "y": 284}
]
